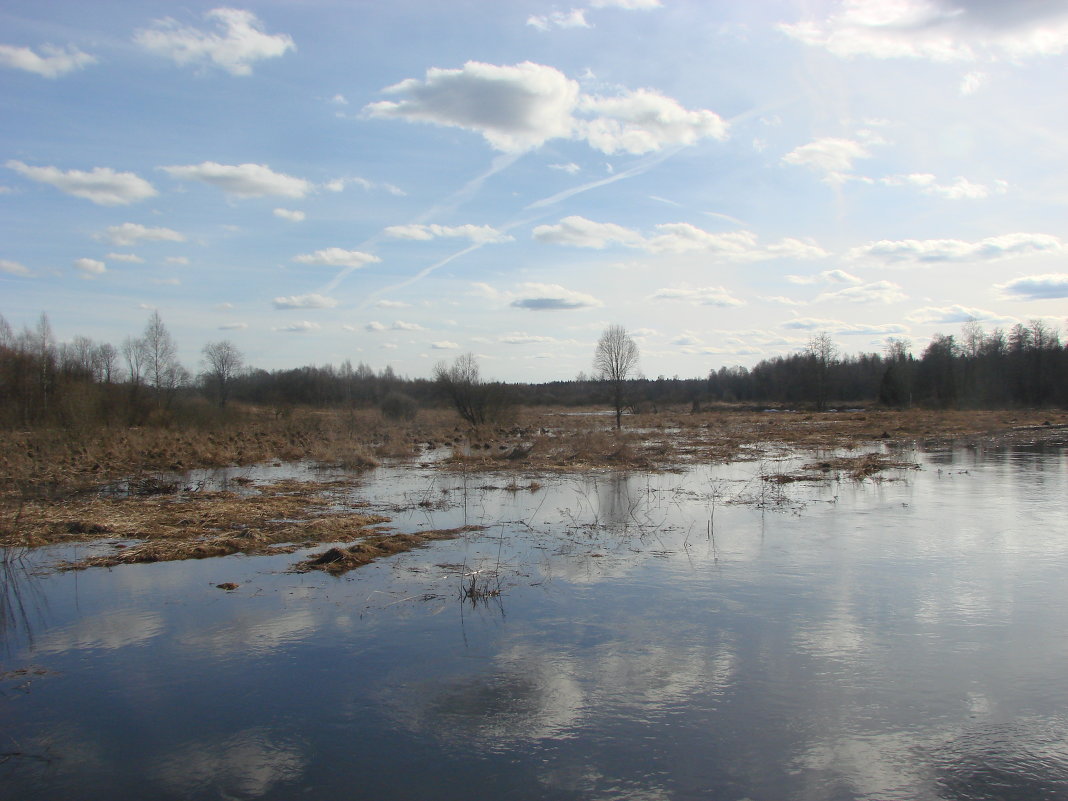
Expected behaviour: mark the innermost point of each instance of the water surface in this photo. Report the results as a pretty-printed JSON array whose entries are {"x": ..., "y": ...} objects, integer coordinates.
[{"x": 706, "y": 634}]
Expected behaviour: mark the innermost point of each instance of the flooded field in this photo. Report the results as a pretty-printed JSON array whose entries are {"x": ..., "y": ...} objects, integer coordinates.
[{"x": 750, "y": 631}]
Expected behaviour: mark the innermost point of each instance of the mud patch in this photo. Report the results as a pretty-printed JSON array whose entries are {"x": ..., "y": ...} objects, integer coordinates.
[{"x": 338, "y": 561}]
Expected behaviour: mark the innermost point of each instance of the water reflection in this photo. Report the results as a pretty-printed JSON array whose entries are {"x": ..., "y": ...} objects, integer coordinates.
[
  {"x": 248, "y": 764},
  {"x": 890, "y": 639}
]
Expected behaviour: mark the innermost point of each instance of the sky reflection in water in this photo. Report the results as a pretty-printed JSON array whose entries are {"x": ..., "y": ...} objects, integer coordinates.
[{"x": 896, "y": 639}]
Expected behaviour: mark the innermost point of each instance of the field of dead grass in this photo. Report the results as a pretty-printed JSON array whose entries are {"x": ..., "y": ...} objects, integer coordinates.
[{"x": 47, "y": 494}]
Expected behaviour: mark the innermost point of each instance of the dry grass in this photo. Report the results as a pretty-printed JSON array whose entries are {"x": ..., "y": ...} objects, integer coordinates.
[
  {"x": 338, "y": 561},
  {"x": 42, "y": 472}
]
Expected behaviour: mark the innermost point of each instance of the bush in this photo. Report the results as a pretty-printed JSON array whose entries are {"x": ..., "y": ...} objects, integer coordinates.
[{"x": 398, "y": 406}]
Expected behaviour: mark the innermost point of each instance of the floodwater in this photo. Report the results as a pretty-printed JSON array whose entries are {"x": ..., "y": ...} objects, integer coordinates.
[{"x": 700, "y": 635}]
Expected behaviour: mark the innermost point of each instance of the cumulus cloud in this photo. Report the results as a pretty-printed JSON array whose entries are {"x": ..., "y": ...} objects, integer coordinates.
[
  {"x": 575, "y": 18},
  {"x": 629, "y": 5},
  {"x": 877, "y": 292},
  {"x": 644, "y": 121},
  {"x": 1036, "y": 287},
  {"x": 237, "y": 42},
  {"x": 971, "y": 83},
  {"x": 444, "y": 344},
  {"x": 391, "y": 304},
  {"x": 290, "y": 214},
  {"x": 90, "y": 267},
  {"x": 522, "y": 338},
  {"x": 700, "y": 296},
  {"x": 961, "y": 188},
  {"x": 101, "y": 185},
  {"x": 131, "y": 258},
  {"x": 375, "y": 327},
  {"x": 950, "y": 314},
  {"x": 242, "y": 180},
  {"x": 299, "y": 328},
  {"x": 13, "y": 268},
  {"x": 933, "y": 251},
  {"x": 580, "y": 232},
  {"x": 518, "y": 108},
  {"x": 939, "y": 30},
  {"x": 233, "y": 326},
  {"x": 400, "y": 325},
  {"x": 570, "y": 168},
  {"x": 337, "y": 257},
  {"x": 829, "y": 155},
  {"x": 673, "y": 238},
  {"x": 825, "y": 277},
  {"x": 310, "y": 301},
  {"x": 839, "y": 327},
  {"x": 552, "y": 297},
  {"x": 129, "y": 234},
  {"x": 339, "y": 184},
  {"x": 55, "y": 62},
  {"x": 482, "y": 234}
]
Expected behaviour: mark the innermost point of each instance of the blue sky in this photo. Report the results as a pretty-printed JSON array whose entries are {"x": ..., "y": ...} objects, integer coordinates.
[{"x": 398, "y": 183}]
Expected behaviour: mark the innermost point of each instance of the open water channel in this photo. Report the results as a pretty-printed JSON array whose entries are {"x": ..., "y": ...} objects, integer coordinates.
[{"x": 696, "y": 635}]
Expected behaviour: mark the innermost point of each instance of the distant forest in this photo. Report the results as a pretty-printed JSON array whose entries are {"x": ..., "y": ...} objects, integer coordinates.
[{"x": 140, "y": 381}]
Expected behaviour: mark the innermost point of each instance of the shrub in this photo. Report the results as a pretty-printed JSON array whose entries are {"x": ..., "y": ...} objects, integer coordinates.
[{"x": 398, "y": 406}]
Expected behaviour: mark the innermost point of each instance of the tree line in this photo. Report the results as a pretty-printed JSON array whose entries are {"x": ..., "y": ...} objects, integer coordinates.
[{"x": 45, "y": 382}]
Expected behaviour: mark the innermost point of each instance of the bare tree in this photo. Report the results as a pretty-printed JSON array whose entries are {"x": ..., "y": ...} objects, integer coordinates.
[
  {"x": 224, "y": 362},
  {"x": 614, "y": 362},
  {"x": 163, "y": 371},
  {"x": 464, "y": 387},
  {"x": 822, "y": 353},
  {"x": 105, "y": 360}
]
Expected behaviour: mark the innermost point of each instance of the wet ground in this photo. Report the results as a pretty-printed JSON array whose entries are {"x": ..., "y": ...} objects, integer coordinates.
[{"x": 722, "y": 632}]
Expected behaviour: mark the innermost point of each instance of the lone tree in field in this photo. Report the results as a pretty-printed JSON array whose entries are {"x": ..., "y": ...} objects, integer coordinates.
[
  {"x": 614, "y": 361},
  {"x": 463, "y": 385},
  {"x": 224, "y": 361}
]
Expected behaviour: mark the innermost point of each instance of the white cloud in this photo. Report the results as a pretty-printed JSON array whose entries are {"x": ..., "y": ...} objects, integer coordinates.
[
  {"x": 242, "y": 180},
  {"x": 830, "y": 155},
  {"x": 518, "y": 108},
  {"x": 570, "y": 168},
  {"x": 290, "y": 214},
  {"x": 644, "y": 121},
  {"x": 950, "y": 314},
  {"x": 939, "y": 30},
  {"x": 299, "y": 328},
  {"x": 552, "y": 297},
  {"x": 673, "y": 238},
  {"x": 233, "y": 326},
  {"x": 391, "y": 304},
  {"x": 522, "y": 338},
  {"x": 55, "y": 62},
  {"x": 580, "y": 232},
  {"x": 575, "y": 18},
  {"x": 781, "y": 300},
  {"x": 375, "y": 327},
  {"x": 339, "y": 100},
  {"x": 701, "y": 296},
  {"x": 930, "y": 251},
  {"x": 483, "y": 234},
  {"x": 629, "y": 5},
  {"x": 971, "y": 83},
  {"x": 90, "y": 266},
  {"x": 1036, "y": 287},
  {"x": 177, "y": 260},
  {"x": 839, "y": 327},
  {"x": 101, "y": 185},
  {"x": 131, "y": 258},
  {"x": 129, "y": 234},
  {"x": 515, "y": 108},
  {"x": 310, "y": 301},
  {"x": 444, "y": 344},
  {"x": 13, "y": 268},
  {"x": 400, "y": 325},
  {"x": 337, "y": 257},
  {"x": 961, "y": 188},
  {"x": 238, "y": 42},
  {"x": 825, "y": 277},
  {"x": 339, "y": 184},
  {"x": 877, "y": 292}
]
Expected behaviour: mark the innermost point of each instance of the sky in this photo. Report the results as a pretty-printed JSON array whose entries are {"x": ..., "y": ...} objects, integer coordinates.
[{"x": 400, "y": 183}]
